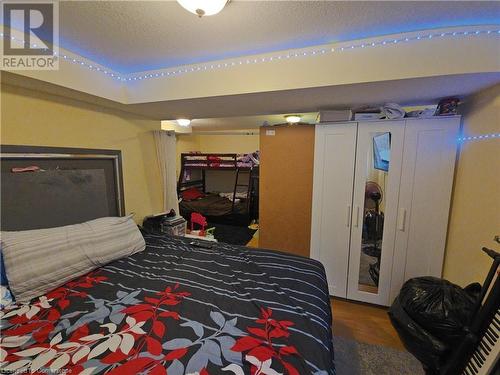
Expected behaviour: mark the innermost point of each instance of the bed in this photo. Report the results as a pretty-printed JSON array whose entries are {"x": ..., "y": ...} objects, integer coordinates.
[
  {"x": 244, "y": 168},
  {"x": 212, "y": 204},
  {"x": 183, "y": 309},
  {"x": 179, "y": 309}
]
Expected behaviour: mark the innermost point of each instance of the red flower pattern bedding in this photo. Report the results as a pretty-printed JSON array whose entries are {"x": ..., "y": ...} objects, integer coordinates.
[{"x": 176, "y": 309}]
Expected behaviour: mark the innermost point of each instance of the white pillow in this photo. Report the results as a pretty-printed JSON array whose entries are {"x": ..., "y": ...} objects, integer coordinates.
[{"x": 37, "y": 261}]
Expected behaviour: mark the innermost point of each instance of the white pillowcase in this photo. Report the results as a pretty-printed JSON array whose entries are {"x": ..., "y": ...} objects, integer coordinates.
[{"x": 37, "y": 261}]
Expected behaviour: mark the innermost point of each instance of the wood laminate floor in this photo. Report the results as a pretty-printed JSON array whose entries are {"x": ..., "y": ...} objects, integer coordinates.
[
  {"x": 254, "y": 242},
  {"x": 363, "y": 322}
]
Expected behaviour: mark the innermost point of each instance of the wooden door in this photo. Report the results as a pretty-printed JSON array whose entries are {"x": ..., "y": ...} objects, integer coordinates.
[{"x": 286, "y": 179}]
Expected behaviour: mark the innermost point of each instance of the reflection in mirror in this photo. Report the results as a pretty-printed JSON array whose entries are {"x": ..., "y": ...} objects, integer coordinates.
[{"x": 378, "y": 160}]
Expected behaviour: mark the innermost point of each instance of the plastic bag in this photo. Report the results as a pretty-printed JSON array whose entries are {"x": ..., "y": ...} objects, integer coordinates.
[
  {"x": 441, "y": 308},
  {"x": 425, "y": 347}
]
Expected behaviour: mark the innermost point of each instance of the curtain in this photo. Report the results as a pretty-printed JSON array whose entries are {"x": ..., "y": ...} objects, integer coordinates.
[{"x": 165, "y": 151}]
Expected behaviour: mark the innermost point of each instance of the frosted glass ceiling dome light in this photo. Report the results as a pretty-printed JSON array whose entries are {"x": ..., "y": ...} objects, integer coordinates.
[
  {"x": 183, "y": 122},
  {"x": 203, "y": 7},
  {"x": 292, "y": 119}
]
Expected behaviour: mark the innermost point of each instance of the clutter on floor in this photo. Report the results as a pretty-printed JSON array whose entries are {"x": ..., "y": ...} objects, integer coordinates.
[
  {"x": 254, "y": 225},
  {"x": 449, "y": 329},
  {"x": 201, "y": 228},
  {"x": 232, "y": 234},
  {"x": 165, "y": 222},
  {"x": 203, "y": 232}
]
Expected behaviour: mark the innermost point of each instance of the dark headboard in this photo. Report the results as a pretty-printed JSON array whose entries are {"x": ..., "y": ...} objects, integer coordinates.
[{"x": 74, "y": 185}]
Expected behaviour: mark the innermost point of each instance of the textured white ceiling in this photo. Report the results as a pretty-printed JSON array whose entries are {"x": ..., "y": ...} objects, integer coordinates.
[{"x": 131, "y": 36}]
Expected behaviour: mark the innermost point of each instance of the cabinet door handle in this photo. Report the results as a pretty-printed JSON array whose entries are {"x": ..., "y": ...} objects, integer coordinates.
[
  {"x": 402, "y": 219},
  {"x": 348, "y": 221},
  {"x": 356, "y": 219}
]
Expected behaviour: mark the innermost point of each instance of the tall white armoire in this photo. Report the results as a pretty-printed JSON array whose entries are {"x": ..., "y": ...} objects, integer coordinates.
[{"x": 381, "y": 198}]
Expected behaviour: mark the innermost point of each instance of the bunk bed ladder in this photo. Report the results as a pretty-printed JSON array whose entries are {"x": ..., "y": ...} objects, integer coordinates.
[
  {"x": 247, "y": 185},
  {"x": 253, "y": 199}
]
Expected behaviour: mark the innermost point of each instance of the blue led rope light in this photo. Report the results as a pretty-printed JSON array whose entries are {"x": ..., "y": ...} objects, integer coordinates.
[
  {"x": 285, "y": 56},
  {"x": 477, "y": 137}
]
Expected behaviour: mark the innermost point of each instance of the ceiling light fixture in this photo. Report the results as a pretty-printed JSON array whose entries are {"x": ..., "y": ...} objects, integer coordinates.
[
  {"x": 292, "y": 119},
  {"x": 183, "y": 121},
  {"x": 203, "y": 7}
]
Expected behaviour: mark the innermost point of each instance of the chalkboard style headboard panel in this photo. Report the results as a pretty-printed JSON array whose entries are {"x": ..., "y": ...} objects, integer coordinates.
[{"x": 72, "y": 186}]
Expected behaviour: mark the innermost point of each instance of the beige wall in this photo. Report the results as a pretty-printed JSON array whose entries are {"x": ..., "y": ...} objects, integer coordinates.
[
  {"x": 475, "y": 208},
  {"x": 33, "y": 118},
  {"x": 238, "y": 144}
]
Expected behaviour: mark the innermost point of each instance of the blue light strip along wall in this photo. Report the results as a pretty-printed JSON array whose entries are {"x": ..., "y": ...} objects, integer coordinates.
[
  {"x": 479, "y": 137},
  {"x": 278, "y": 57}
]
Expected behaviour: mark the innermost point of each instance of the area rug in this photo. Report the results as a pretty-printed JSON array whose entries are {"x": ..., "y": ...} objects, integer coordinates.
[
  {"x": 232, "y": 234},
  {"x": 357, "y": 358}
]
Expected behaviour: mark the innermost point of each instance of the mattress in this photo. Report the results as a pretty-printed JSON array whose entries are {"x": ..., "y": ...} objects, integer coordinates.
[
  {"x": 179, "y": 309},
  {"x": 211, "y": 205}
]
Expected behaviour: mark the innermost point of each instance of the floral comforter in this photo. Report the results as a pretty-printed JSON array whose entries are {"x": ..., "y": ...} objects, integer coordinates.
[{"x": 177, "y": 309}]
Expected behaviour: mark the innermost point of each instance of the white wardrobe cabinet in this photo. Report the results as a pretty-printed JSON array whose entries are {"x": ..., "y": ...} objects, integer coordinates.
[
  {"x": 332, "y": 201},
  {"x": 424, "y": 198},
  {"x": 381, "y": 197}
]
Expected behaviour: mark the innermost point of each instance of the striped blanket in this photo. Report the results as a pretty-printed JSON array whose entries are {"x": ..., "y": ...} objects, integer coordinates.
[{"x": 177, "y": 309}]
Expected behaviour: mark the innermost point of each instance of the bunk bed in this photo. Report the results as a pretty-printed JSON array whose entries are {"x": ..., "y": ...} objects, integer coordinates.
[{"x": 239, "y": 207}]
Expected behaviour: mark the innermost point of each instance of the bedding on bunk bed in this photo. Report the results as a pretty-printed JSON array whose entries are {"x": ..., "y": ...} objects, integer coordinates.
[
  {"x": 211, "y": 205},
  {"x": 222, "y": 160},
  {"x": 178, "y": 309}
]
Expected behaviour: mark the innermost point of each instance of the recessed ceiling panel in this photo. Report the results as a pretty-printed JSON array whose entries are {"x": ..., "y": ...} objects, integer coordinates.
[{"x": 132, "y": 36}]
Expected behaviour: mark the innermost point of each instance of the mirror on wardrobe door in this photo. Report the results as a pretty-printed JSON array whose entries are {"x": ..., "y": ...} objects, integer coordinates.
[{"x": 378, "y": 161}]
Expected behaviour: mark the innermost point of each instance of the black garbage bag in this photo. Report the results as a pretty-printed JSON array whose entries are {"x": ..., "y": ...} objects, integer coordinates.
[
  {"x": 441, "y": 308},
  {"x": 424, "y": 346},
  {"x": 473, "y": 290}
]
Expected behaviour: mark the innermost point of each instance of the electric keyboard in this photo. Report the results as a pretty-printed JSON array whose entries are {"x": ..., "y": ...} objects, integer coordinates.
[
  {"x": 485, "y": 358},
  {"x": 479, "y": 351}
]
